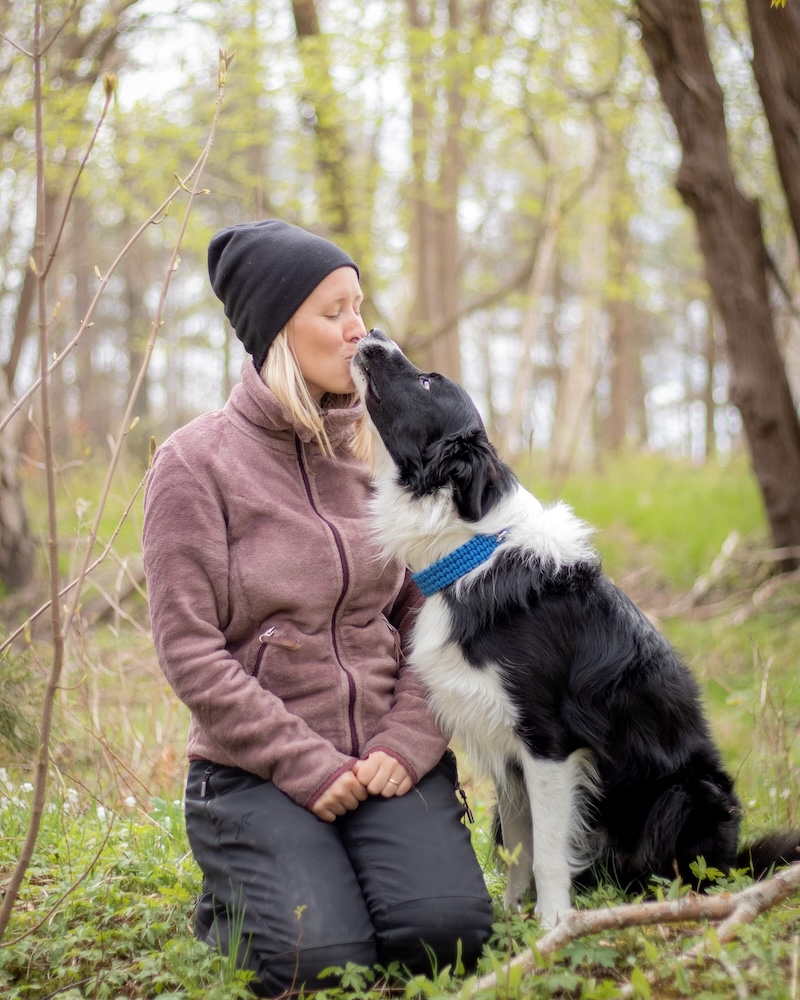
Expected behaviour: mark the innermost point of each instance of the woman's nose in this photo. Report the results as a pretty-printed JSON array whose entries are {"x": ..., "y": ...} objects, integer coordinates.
[{"x": 355, "y": 329}]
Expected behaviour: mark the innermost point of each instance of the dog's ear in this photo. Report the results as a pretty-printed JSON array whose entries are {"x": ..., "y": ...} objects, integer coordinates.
[{"x": 469, "y": 464}]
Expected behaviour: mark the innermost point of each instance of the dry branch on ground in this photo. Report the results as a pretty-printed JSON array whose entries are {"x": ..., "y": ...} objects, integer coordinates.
[{"x": 732, "y": 909}]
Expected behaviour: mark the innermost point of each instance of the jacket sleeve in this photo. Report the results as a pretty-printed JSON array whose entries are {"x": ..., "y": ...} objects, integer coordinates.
[
  {"x": 185, "y": 548},
  {"x": 409, "y": 731}
]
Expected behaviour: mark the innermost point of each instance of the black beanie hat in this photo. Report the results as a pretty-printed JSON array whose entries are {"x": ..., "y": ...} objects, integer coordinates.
[{"x": 263, "y": 271}]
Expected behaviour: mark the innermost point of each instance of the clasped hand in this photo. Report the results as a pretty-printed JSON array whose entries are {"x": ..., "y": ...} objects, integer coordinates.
[{"x": 378, "y": 774}]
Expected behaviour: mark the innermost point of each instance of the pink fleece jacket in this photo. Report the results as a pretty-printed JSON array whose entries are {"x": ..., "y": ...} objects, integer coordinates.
[{"x": 273, "y": 616}]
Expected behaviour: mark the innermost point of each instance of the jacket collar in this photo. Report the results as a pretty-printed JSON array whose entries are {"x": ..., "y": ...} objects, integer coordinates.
[{"x": 256, "y": 402}]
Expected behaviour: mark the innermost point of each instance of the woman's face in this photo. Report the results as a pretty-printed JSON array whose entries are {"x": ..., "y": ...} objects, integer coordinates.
[{"x": 325, "y": 330}]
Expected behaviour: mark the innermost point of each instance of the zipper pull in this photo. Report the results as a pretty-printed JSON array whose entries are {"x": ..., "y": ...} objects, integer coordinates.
[
  {"x": 269, "y": 638},
  {"x": 463, "y": 796},
  {"x": 398, "y": 643},
  {"x": 204, "y": 783}
]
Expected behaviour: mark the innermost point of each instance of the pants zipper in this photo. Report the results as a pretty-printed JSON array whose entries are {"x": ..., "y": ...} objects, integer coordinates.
[
  {"x": 463, "y": 796},
  {"x": 204, "y": 783}
]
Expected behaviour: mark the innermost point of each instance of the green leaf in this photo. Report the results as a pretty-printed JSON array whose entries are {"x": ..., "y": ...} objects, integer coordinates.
[{"x": 640, "y": 985}]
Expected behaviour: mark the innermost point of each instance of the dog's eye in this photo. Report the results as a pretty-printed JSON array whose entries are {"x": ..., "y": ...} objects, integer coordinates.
[{"x": 424, "y": 382}]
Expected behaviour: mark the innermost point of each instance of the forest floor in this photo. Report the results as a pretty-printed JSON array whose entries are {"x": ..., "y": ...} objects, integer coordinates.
[{"x": 106, "y": 907}]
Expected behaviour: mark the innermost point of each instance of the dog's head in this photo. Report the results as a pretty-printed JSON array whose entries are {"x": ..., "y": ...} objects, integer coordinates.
[{"x": 430, "y": 428}]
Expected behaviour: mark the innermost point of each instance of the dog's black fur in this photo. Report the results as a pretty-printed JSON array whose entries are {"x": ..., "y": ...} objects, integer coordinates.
[{"x": 588, "y": 677}]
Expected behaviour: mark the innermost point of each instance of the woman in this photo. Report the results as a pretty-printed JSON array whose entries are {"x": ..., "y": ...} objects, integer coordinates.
[{"x": 321, "y": 801}]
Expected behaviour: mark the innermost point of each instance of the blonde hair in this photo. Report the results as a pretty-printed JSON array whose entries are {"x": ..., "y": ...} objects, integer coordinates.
[{"x": 282, "y": 374}]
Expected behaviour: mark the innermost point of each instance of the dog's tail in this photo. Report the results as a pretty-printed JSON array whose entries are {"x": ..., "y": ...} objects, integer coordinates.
[{"x": 770, "y": 851}]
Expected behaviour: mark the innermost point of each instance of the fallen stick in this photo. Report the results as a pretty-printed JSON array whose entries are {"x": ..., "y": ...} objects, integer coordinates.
[{"x": 732, "y": 908}]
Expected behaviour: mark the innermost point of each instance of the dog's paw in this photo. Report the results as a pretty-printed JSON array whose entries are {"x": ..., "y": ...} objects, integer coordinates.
[
  {"x": 549, "y": 919},
  {"x": 549, "y": 912},
  {"x": 517, "y": 896}
]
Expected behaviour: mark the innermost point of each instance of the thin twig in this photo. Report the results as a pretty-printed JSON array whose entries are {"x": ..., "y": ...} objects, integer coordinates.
[
  {"x": 54, "y": 250},
  {"x": 14, "y": 45}
]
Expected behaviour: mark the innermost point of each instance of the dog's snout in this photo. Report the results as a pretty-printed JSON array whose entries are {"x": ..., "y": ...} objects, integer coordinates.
[{"x": 374, "y": 341}]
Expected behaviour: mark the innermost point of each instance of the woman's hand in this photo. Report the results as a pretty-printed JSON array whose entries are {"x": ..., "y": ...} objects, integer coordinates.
[
  {"x": 343, "y": 795},
  {"x": 381, "y": 774}
]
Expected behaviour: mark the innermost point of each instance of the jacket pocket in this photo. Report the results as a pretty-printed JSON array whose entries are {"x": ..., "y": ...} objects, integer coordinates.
[{"x": 271, "y": 637}]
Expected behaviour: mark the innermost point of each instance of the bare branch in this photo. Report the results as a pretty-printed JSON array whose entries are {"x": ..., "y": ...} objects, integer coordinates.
[
  {"x": 14, "y": 45},
  {"x": 733, "y": 909}
]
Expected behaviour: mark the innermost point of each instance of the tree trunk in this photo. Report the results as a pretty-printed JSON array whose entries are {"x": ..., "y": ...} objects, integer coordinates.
[
  {"x": 624, "y": 426},
  {"x": 328, "y": 121},
  {"x": 16, "y": 543},
  {"x": 710, "y": 357},
  {"x": 513, "y": 442},
  {"x": 24, "y": 307},
  {"x": 345, "y": 214},
  {"x": 138, "y": 323},
  {"x": 572, "y": 427},
  {"x": 732, "y": 243},
  {"x": 434, "y": 232},
  {"x": 776, "y": 63},
  {"x": 624, "y": 354}
]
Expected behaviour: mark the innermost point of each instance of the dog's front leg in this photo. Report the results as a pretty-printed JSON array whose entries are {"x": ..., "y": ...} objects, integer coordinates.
[
  {"x": 515, "y": 823},
  {"x": 551, "y": 792}
]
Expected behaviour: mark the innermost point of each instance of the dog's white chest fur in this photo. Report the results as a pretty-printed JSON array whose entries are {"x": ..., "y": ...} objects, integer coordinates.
[{"x": 471, "y": 704}]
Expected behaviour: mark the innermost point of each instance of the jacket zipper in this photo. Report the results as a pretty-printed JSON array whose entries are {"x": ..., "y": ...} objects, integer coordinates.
[
  {"x": 398, "y": 644},
  {"x": 351, "y": 712}
]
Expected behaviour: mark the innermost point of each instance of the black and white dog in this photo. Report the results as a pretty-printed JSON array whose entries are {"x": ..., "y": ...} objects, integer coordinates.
[{"x": 549, "y": 676}]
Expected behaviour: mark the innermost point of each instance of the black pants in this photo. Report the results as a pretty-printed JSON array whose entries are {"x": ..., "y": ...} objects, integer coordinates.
[{"x": 395, "y": 880}]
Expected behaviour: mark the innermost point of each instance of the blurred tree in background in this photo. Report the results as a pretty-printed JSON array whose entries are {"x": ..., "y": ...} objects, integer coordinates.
[
  {"x": 738, "y": 263},
  {"x": 503, "y": 172}
]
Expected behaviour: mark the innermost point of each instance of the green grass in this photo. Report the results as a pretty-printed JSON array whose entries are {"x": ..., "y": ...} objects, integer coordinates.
[
  {"x": 124, "y": 928},
  {"x": 669, "y": 515}
]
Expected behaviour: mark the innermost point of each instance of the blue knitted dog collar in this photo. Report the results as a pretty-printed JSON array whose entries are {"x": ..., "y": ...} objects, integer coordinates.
[{"x": 458, "y": 563}]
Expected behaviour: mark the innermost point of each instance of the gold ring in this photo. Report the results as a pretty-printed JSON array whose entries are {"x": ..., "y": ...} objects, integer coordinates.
[{"x": 393, "y": 782}]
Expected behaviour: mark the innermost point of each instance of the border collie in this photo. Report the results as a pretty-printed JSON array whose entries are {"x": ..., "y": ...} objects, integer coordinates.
[{"x": 552, "y": 680}]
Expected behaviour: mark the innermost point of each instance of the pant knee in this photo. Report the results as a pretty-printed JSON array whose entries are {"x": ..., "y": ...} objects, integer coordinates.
[
  {"x": 436, "y": 932},
  {"x": 291, "y": 971},
  {"x": 286, "y": 972}
]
